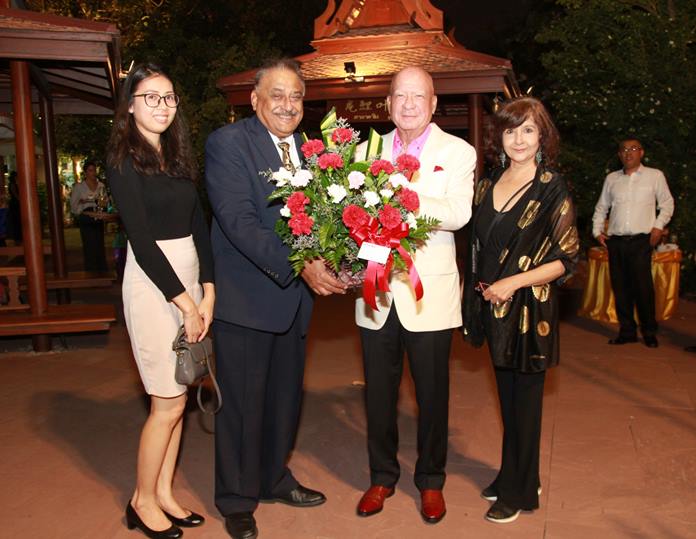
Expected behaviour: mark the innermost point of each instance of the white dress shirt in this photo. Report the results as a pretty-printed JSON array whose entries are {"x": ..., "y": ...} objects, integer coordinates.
[
  {"x": 632, "y": 200},
  {"x": 294, "y": 154},
  {"x": 81, "y": 191}
]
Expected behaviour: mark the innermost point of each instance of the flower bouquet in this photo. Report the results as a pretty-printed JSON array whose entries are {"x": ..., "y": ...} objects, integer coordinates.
[{"x": 358, "y": 216}]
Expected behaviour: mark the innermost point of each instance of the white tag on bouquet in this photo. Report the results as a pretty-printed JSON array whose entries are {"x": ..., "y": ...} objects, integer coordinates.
[{"x": 374, "y": 252}]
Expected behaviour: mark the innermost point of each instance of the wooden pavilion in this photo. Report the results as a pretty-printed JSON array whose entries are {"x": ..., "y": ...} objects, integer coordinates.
[
  {"x": 45, "y": 60},
  {"x": 358, "y": 46}
]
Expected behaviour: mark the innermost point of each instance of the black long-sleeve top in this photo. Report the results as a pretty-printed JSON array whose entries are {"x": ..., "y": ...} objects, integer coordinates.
[{"x": 160, "y": 207}]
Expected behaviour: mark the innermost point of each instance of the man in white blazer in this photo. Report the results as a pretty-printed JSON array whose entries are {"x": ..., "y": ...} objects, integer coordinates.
[{"x": 422, "y": 328}]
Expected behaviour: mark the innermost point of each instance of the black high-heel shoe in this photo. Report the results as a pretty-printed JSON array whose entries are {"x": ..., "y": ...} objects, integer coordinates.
[
  {"x": 191, "y": 521},
  {"x": 133, "y": 520}
]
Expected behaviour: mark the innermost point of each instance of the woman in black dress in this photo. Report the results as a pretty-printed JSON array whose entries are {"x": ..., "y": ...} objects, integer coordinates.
[
  {"x": 524, "y": 242},
  {"x": 168, "y": 278}
]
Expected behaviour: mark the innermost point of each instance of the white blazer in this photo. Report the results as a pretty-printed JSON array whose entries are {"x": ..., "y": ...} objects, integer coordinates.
[{"x": 445, "y": 186}]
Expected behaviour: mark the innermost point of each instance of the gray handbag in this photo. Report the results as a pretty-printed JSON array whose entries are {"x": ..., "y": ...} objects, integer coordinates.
[{"x": 193, "y": 363}]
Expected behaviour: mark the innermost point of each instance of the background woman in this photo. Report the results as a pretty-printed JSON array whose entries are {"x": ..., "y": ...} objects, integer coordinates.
[
  {"x": 84, "y": 199},
  {"x": 524, "y": 241},
  {"x": 169, "y": 257}
]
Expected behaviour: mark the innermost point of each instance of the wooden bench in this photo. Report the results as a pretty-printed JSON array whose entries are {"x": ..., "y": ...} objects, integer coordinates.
[
  {"x": 70, "y": 318},
  {"x": 77, "y": 279},
  {"x": 12, "y": 251},
  {"x": 13, "y": 275}
]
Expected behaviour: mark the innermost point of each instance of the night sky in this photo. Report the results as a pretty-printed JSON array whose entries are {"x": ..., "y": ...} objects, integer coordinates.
[{"x": 483, "y": 26}]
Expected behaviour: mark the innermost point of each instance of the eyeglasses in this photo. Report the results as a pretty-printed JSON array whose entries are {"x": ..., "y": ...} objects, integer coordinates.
[
  {"x": 631, "y": 149},
  {"x": 153, "y": 100}
]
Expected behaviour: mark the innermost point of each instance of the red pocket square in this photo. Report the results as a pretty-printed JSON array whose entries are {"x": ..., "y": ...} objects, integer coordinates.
[{"x": 438, "y": 168}]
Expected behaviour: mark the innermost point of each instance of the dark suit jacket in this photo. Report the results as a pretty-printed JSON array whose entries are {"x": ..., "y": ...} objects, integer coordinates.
[{"x": 254, "y": 282}]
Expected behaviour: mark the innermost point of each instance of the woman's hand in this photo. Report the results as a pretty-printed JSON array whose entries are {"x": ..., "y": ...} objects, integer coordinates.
[
  {"x": 193, "y": 321},
  {"x": 205, "y": 308},
  {"x": 193, "y": 326},
  {"x": 502, "y": 290}
]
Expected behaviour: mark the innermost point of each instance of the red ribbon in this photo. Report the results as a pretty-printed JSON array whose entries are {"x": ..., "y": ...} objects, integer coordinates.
[{"x": 376, "y": 274}]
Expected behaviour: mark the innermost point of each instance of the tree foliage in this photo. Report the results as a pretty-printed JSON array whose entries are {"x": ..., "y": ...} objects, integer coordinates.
[
  {"x": 618, "y": 68},
  {"x": 196, "y": 42}
]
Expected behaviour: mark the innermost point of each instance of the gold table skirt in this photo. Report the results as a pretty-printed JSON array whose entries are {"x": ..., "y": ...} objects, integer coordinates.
[{"x": 598, "y": 297}]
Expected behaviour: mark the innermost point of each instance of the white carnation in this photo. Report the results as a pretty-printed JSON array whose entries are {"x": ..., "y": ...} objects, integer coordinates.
[
  {"x": 281, "y": 176},
  {"x": 285, "y": 211},
  {"x": 336, "y": 192},
  {"x": 301, "y": 178},
  {"x": 411, "y": 220},
  {"x": 386, "y": 193},
  {"x": 356, "y": 179},
  {"x": 371, "y": 198},
  {"x": 398, "y": 180}
]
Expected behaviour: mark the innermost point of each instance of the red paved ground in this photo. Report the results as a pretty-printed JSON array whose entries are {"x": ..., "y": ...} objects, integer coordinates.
[{"x": 618, "y": 447}]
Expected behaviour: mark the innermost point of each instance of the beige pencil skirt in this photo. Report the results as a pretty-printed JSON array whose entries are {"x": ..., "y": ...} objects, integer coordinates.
[{"x": 152, "y": 321}]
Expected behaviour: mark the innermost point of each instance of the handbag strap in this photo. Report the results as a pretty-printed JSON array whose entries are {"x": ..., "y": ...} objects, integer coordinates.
[{"x": 216, "y": 387}]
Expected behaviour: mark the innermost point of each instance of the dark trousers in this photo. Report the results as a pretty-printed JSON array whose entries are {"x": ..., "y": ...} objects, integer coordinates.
[
  {"x": 521, "y": 397},
  {"x": 428, "y": 356},
  {"x": 92, "y": 236},
  {"x": 631, "y": 280},
  {"x": 260, "y": 376}
]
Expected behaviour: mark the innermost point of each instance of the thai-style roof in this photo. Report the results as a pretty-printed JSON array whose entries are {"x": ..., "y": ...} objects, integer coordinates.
[
  {"x": 77, "y": 61},
  {"x": 378, "y": 38}
]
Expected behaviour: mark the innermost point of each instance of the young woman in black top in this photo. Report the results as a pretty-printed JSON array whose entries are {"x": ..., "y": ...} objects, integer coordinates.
[{"x": 168, "y": 278}]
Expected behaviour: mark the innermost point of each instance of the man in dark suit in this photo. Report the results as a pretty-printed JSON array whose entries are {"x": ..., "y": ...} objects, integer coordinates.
[{"x": 262, "y": 310}]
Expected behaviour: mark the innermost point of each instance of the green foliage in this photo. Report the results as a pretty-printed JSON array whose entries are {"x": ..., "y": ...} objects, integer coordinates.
[
  {"x": 617, "y": 68},
  {"x": 196, "y": 42},
  {"x": 83, "y": 136}
]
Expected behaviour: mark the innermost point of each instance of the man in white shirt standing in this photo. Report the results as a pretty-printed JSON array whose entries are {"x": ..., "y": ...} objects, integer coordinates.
[{"x": 632, "y": 194}]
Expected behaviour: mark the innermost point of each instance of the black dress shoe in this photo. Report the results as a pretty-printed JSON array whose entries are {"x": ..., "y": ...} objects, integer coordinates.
[
  {"x": 623, "y": 340},
  {"x": 191, "y": 521},
  {"x": 650, "y": 341},
  {"x": 133, "y": 521},
  {"x": 501, "y": 513},
  {"x": 299, "y": 497},
  {"x": 241, "y": 525}
]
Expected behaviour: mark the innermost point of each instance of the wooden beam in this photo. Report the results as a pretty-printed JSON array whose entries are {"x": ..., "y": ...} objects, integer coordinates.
[
  {"x": 55, "y": 202},
  {"x": 28, "y": 196},
  {"x": 476, "y": 131}
]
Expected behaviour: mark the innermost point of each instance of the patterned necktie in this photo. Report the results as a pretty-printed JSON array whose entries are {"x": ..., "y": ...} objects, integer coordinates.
[{"x": 287, "y": 161}]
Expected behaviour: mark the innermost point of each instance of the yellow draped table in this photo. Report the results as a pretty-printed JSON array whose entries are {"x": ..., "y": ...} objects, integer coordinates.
[{"x": 598, "y": 298}]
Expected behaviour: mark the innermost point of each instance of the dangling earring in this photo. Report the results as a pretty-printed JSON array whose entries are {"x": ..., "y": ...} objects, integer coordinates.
[
  {"x": 503, "y": 158},
  {"x": 539, "y": 156}
]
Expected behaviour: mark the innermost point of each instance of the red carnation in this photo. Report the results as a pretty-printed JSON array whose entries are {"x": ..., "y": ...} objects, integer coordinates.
[
  {"x": 407, "y": 164},
  {"x": 354, "y": 216},
  {"x": 389, "y": 216},
  {"x": 301, "y": 223},
  {"x": 380, "y": 165},
  {"x": 330, "y": 160},
  {"x": 409, "y": 199},
  {"x": 312, "y": 147},
  {"x": 296, "y": 202},
  {"x": 341, "y": 135}
]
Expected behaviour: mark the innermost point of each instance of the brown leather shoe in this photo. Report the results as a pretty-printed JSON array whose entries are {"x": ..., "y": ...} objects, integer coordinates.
[
  {"x": 373, "y": 500},
  {"x": 432, "y": 506}
]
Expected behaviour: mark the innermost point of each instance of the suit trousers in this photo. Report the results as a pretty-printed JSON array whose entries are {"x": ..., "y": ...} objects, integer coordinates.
[
  {"x": 630, "y": 259},
  {"x": 260, "y": 376},
  {"x": 92, "y": 236},
  {"x": 428, "y": 356},
  {"x": 521, "y": 396}
]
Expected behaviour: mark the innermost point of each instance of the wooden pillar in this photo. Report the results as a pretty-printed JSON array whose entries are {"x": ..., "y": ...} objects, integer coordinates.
[
  {"x": 55, "y": 201},
  {"x": 476, "y": 131},
  {"x": 28, "y": 196}
]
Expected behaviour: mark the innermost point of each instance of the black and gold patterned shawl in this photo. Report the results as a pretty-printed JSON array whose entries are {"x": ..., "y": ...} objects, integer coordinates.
[{"x": 526, "y": 328}]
